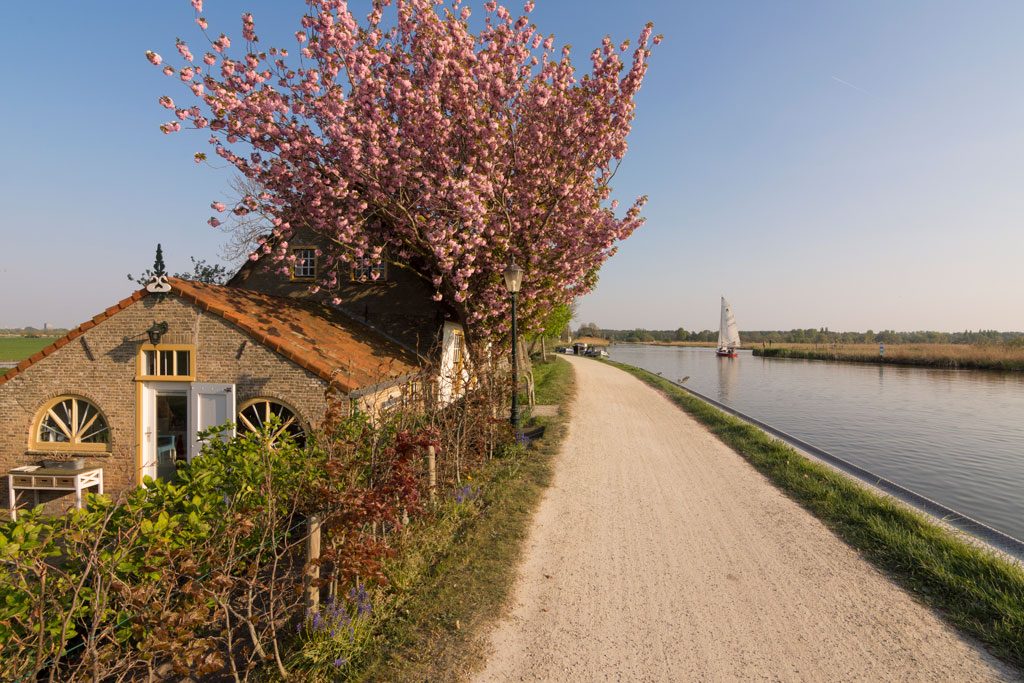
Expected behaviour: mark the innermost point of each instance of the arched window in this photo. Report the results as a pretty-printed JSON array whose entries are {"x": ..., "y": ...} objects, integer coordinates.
[
  {"x": 256, "y": 413},
  {"x": 71, "y": 423}
]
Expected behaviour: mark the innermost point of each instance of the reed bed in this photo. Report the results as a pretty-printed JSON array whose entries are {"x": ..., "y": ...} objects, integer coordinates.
[
  {"x": 695, "y": 344},
  {"x": 592, "y": 341},
  {"x": 972, "y": 356}
]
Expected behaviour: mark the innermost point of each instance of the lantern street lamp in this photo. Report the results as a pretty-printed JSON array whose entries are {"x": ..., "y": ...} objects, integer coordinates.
[{"x": 513, "y": 281}]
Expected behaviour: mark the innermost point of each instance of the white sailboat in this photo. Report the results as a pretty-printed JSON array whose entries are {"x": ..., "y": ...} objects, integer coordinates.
[{"x": 728, "y": 333}]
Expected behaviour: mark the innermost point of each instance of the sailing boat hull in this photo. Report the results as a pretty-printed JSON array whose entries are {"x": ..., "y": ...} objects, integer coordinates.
[{"x": 726, "y": 353}]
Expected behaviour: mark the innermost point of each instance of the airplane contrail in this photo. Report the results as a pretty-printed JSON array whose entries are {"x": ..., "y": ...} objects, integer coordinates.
[{"x": 847, "y": 83}]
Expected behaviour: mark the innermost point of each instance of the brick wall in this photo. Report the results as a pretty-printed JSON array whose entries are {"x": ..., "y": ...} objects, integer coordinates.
[{"x": 101, "y": 367}]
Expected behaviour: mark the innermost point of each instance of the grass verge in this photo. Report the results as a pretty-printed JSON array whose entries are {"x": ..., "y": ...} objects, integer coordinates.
[
  {"x": 978, "y": 591},
  {"x": 453, "y": 577}
]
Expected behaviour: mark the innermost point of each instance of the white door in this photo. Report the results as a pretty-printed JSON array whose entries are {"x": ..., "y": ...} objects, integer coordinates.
[
  {"x": 148, "y": 437},
  {"x": 163, "y": 416},
  {"x": 210, "y": 405}
]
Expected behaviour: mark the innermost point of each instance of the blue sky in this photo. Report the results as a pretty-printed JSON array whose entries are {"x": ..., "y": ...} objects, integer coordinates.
[{"x": 846, "y": 164}]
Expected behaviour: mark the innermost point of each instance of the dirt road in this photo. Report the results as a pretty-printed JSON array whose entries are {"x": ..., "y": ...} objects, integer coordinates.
[{"x": 658, "y": 554}]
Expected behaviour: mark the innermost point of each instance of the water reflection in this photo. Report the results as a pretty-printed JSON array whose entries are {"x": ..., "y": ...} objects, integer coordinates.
[
  {"x": 953, "y": 435},
  {"x": 727, "y": 375}
]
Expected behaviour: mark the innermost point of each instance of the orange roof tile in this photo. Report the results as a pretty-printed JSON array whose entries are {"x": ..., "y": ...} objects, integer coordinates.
[{"x": 315, "y": 337}]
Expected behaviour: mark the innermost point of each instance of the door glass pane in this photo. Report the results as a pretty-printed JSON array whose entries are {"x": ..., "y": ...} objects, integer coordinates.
[{"x": 171, "y": 427}]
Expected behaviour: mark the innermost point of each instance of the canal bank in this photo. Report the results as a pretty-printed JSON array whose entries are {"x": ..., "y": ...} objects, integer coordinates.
[
  {"x": 978, "y": 590},
  {"x": 953, "y": 436},
  {"x": 955, "y": 520},
  {"x": 659, "y": 553}
]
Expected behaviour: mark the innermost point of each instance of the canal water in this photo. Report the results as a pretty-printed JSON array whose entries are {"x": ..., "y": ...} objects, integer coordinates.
[{"x": 956, "y": 436}]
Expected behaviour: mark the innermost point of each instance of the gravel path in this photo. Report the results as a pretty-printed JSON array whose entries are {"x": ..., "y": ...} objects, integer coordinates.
[{"x": 659, "y": 554}]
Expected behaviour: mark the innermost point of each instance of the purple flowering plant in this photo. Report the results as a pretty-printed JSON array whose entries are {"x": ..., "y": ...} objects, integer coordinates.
[{"x": 339, "y": 629}]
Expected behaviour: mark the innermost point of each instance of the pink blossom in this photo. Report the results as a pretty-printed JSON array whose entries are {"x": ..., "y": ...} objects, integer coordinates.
[
  {"x": 203, "y": 24},
  {"x": 214, "y": 221},
  {"x": 248, "y": 27},
  {"x": 154, "y": 58},
  {"x": 418, "y": 132},
  {"x": 197, "y": 5},
  {"x": 168, "y": 71},
  {"x": 184, "y": 51},
  {"x": 167, "y": 102}
]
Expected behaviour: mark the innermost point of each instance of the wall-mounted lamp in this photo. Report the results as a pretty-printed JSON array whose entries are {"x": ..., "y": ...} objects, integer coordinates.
[{"x": 155, "y": 331}]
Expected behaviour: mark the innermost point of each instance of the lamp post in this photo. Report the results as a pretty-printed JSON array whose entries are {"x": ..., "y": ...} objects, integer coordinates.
[{"x": 513, "y": 280}]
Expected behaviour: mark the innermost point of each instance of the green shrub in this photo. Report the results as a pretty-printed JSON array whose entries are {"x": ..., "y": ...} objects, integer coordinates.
[{"x": 198, "y": 575}]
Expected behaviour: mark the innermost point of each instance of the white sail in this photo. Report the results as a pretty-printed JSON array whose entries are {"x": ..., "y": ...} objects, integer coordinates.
[{"x": 728, "y": 333}]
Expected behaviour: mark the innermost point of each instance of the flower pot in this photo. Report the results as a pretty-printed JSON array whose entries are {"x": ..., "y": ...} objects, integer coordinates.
[{"x": 72, "y": 464}]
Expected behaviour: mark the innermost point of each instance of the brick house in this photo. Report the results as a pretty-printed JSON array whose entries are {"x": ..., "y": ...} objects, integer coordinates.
[{"x": 240, "y": 352}]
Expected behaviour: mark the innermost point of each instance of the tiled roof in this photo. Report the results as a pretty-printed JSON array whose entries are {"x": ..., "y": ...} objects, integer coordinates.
[
  {"x": 311, "y": 335},
  {"x": 73, "y": 334},
  {"x": 321, "y": 340}
]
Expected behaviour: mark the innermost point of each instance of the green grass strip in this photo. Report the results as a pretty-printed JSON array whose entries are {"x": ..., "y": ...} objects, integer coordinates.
[
  {"x": 20, "y": 348},
  {"x": 979, "y": 591},
  {"x": 438, "y": 629}
]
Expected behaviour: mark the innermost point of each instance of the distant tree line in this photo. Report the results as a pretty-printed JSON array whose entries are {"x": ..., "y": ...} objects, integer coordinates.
[
  {"x": 32, "y": 332},
  {"x": 809, "y": 335}
]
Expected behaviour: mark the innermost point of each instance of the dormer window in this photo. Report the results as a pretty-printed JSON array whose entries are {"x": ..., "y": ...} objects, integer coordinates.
[
  {"x": 304, "y": 267},
  {"x": 374, "y": 273}
]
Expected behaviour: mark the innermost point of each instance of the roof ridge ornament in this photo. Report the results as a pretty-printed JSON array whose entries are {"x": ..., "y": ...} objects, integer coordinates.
[{"x": 158, "y": 285}]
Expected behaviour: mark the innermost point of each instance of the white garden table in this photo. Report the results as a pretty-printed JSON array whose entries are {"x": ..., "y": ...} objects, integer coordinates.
[{"x": 52, "y": 479}]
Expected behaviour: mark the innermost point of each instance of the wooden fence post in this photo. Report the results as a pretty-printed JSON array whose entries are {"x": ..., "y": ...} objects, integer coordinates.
[
  {"x": 312, "y": 578},
  {"x": 432, "y": 472}
]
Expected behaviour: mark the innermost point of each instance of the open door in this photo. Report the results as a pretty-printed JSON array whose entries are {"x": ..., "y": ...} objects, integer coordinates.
[
  {"x": 164, "y": 419},
  {"x": 211, "y": 405}
]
